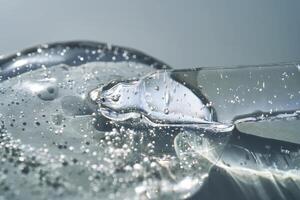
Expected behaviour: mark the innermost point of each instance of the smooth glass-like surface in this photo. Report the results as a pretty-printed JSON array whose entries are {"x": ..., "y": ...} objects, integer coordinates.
[{"x": 82, "y": 120}]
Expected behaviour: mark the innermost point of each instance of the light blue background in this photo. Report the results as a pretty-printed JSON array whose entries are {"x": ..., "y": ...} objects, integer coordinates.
[{"x": 181, "y": 33}]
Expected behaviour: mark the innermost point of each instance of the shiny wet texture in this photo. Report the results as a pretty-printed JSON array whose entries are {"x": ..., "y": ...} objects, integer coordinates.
[
  {"x": 82, "y": 120},
  {"x": 54, "y": 144}
]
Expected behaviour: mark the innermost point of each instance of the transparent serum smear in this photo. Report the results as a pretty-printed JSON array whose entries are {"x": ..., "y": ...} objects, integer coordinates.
[
  {"x": 253, "y": 99},
  {"x": 157, "y": 98},
  {"x": 259, "y": 100},
  {"x": 55, "y": 142}
]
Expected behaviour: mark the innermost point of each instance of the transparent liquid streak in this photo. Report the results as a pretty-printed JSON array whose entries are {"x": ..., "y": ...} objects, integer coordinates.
[
  {"x": 210, "y": 98},
  {"x": 56, "y": 141}
]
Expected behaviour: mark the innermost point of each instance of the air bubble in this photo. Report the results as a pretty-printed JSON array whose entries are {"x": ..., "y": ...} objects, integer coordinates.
[
  {"x": 48, "y": 93},
  {"x": 166, "y": 111}
]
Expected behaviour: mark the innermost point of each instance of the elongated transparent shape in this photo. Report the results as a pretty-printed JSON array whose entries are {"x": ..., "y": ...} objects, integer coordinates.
[
  {"x": 208, "y": 97},
  {"x": 236, "y": 93}
]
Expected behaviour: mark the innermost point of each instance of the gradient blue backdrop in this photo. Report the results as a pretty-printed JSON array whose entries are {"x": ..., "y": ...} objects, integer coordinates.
[{"x": 181, "y": 33}]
